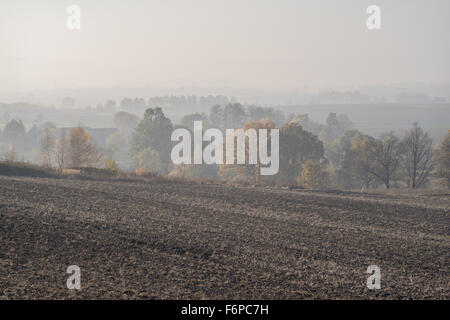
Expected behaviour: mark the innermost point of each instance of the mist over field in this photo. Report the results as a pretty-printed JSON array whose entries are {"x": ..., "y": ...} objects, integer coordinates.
[{"x": 103, "y": 167}]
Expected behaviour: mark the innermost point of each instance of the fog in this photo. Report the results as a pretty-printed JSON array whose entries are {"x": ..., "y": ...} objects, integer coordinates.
[
  {"x": 286, "y": 45},
  {"x": 227, "y": 63}
]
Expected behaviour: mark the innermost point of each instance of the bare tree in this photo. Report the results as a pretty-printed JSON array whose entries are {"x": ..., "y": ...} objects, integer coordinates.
[
  {"x": 60, "y": 152},
  {"x": 47, "y": 145},
  {"x": 386, "y": 153},
  {"x": 418, "y": 156}
]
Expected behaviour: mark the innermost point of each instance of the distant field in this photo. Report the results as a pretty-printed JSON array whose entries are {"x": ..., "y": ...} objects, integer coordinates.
[{"x": 185, "y": 240}]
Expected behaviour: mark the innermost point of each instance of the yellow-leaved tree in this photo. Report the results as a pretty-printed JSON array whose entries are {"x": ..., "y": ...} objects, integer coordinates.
[
  {"x": 313, "y": 176},
  {"x": 82, "y": 150},
  {"x": 246, "y": 172}
]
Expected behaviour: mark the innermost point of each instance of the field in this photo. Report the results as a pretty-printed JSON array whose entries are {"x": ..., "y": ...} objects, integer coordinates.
[{"x": 180, "y": 240}]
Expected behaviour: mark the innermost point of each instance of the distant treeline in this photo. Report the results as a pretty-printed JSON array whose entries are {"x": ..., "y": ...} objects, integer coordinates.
[{"x": 139, "y": 104}]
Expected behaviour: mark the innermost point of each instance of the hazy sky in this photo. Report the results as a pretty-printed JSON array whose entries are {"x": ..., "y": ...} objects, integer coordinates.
[{"x": 276, "y": 44}]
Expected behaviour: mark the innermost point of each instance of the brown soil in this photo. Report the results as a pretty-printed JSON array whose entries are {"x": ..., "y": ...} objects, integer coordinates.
[{"x": 180, "y": 240}]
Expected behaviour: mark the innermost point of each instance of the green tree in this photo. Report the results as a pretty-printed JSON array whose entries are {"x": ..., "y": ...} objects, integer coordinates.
[
  {"x": 297, "y": 146},
  {"x": 188, "y": 120},
  {"x": 356, "y": 168},
  {"x": 336, "y": 125},
  {"x": 14, "y": 131},
  {"x": 150, "y": 160},
  {"x": 152, "y": 135},
  {"x": 306, "y": 123},
  {"x": 117, "y": 144},
  {"x": 335, "y": 151},
  {"x": 125, "y": 122},
  {"x": 232, "y": 115}
]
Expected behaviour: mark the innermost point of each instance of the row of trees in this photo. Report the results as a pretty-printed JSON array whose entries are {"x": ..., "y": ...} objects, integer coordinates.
[
  {"x": 351, "y": 160},
  {"x": 231, "y": 115},
  {"x": 367, "y": 161},
  {"x": 139, "y": 104},
  {"x": 314, "y": 155},
  {"x": 189, "y": 101},
  {"x": 14, "y": 134}
]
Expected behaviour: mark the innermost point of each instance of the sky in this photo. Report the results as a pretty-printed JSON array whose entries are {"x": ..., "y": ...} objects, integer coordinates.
[{"x": 251, "y": 44}]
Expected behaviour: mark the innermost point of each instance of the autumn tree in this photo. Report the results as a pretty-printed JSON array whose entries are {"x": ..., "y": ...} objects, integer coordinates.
[
  {"x": 417, "y": 158},
  {"x": 442, "y": 159},
  {"x": 247, "y": 171},
  {"x": 82, "y": 150},
  {"x": 313, "y": 175}
]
